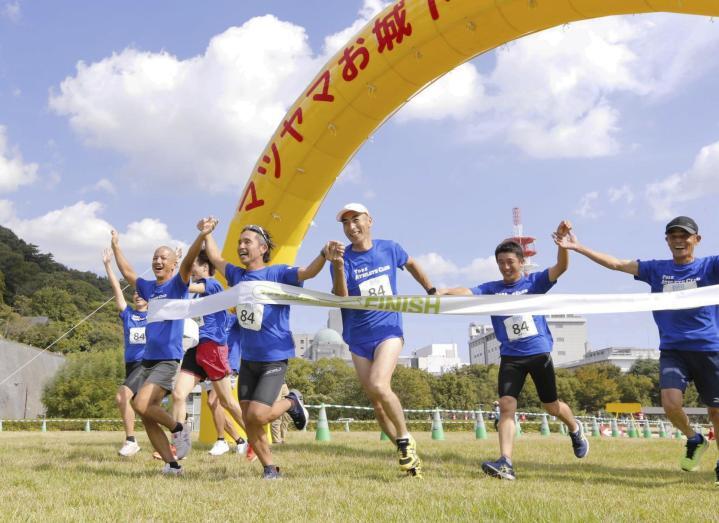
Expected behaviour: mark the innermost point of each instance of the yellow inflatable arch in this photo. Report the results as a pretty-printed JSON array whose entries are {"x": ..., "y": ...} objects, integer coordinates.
[{"x": 404, "y": 48}]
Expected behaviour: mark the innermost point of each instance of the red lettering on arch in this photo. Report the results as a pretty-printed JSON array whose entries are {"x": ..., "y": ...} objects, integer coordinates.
[
  {"x": 323, "y": 95},
  {"x": 254, "y": 203}
]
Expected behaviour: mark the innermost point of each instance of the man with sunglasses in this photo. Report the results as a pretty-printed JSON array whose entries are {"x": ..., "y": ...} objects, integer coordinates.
[
  {"x": 266, "y": 338},
  {"x": 368, "y": 267},
  {"x": 688, "y": 339}
]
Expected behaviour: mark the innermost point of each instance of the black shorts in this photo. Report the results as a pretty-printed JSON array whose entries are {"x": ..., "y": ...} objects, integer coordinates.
[
  {"x": 678, "y": 367},
  {"x": 130, "y": 366},
  {"x": 189, "y": 364},
  {"x": 513, "y": 372},
  {"x": 261, "y": 381}
]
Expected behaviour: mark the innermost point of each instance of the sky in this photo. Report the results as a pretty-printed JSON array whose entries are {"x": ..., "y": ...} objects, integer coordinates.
[{"x": 147, "y": 117}]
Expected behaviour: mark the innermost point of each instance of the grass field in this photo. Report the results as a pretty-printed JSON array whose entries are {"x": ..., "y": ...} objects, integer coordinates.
[{"x": 77, "y": 476}]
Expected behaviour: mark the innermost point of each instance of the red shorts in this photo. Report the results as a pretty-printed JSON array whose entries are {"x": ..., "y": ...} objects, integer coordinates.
[{"x": 212, "y": 357}]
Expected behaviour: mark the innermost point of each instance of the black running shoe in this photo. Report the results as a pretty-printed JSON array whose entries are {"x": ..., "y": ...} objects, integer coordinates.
[{"x": 297, "y": 411}]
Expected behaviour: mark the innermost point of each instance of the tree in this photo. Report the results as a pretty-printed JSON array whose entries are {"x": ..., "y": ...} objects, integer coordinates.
[
  {"x": 635, "y": 389},
  {"x": 413, "y": 388},
  {"x": 455, "y": 391},
  {"x": 598, "y": 386}
]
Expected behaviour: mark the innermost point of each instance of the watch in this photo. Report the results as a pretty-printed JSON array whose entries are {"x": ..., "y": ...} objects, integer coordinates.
[{"x": 432, "y": 290}]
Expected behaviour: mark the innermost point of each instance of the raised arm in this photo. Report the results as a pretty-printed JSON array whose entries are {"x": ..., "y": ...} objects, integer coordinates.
[
  {"x": 418, "y": 274},
  {"x": 315, "y": 266},
  {"x": 206, "y": 226},
  {"x": 569, "y": 241},
  {"x": 125, "y": 268},
  {"x": 559, "y": 268},
  {"x": 116, "y": 289},
  {"x": 339, "y": 281}
]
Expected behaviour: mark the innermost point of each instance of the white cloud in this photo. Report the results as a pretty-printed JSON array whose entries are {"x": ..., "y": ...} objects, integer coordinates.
[
  {"x": 201, "y": 121},
  {"x": 76, "y": 235},
  {"x": 550, "y": 94},
  {"x": 369, "y": 9},
  {"x": 701, "y": 179},
  {"x": 446, "y": 273},
  {"x": 14, "y": 172},
  {"x": 11, "y": 11},
  {"x": 586, "y": 206},
  {"x": 102, "y": 185},
  {"x": 617, "y": 194},
  {"x": 352, "y": 173}
]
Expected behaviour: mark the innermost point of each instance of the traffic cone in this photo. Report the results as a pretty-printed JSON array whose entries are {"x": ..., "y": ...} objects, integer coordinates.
[
  {"x": 517, "y": 427},
  {"x": 87, "y": 426},
  {"x": 437, "y": 429},
  {"x": 562, "y": 429},
  {"x": 615, "y": 428},
  {"x": 0, "y": 425},
  {"x": 647, "y": 429},
  {"x": 383, "y": 436},
  {"x": 633, "y": 430},
  {"x": 480, "y": 431},
  {"x": 662, "y": 430},
  {"x": 677, "y": 434},
  {"x": 43, "y": 428},
  {"x": 595, "y": 428},
  {"x": 544, "y": 427},
  {"x": 323, "y": 428}
]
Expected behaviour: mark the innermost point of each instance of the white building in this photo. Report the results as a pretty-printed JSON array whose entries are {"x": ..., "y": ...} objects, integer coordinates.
[
  {"x": 328, "y": 343},
  {"x": 437, "y": 358},
  {"x": 302, "y": 344},
  {"x": 622, "y": 357},
  {"x": 568, "y": 330}
]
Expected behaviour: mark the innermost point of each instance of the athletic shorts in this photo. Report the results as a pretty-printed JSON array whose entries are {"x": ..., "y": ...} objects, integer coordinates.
[
  {"x": 261, "y": 381},
  {"x": 130, "y": 366},
  {"x": 513, "y": 372},
  {"x": 159, "y": 372},
  {"x": 678, "y": 367},
  {"x": 366, "y": 349},
  {"x": 207, "y": 361}
]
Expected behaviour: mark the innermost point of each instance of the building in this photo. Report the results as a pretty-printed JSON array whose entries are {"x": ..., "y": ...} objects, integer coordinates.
[
  {"x": 21, "y": 395},
  {"x": 568, "y": 330},
  {"x": 334, "y": 320},
  {"x": 622, "y": 357},
  {"x": 436, "y": 358},
  {"x": 302, "y": 344},
  {"x": 328, "y": 343}
]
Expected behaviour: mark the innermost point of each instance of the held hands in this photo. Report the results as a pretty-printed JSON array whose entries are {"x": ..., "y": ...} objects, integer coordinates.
[
  {"x": 114, "y": 237},
  {"x": 564, "y": 237},
  {"x": 106, "y": 256},
  {"x": 334, "y": 251},
  {"x": 207, "y": 225}
]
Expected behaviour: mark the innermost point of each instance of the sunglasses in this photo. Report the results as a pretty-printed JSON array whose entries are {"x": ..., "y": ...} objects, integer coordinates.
[{"x": 259, "y": 230}]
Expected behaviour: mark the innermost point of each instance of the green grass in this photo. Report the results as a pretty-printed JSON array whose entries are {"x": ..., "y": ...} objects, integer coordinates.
[{"x": 77, "y": 476}]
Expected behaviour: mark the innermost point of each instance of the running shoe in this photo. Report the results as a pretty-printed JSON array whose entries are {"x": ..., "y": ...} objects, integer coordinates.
[
  {"x": 167, "y": 470},
  {"x": 273, "y": 473},
  {"x": 407, "y": 451},
  {"x": 250, "y": 456},
  {"x": 242, "y": 448},
  {"x": 580, "y": 443},
  {"x": 219, "y": 448},
  {"x": 500, "y": 469},
  {"x": 130, "y": 448},
  {"x": 298, "y": 412},
  {"x": 416, "y": 472},
  {"x": 183, "y": 440},
  {"x": 695, "y": 448}
]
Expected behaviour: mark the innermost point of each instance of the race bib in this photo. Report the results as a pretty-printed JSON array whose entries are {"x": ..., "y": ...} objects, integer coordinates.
[
  {"x": 519, "y": 327},
  {"x": 137, "y": 335},
  {"x": 249, "y": 316},
  {"x": 379, "y": 286},
  {"x": 679, "y": 286}
]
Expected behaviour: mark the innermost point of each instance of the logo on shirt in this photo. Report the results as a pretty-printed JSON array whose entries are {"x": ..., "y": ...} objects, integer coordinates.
[
  {"x": 669, "y": 278},
  {"x": 364, "y": 272}
]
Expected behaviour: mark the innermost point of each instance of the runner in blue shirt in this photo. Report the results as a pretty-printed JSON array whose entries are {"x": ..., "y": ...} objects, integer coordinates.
[
  {"x": 525, "y": 348},
  {"x": 134, "y": 321},
  {"x": 209, "y": 360},
  {"x": 368, "y": 267},
  {"x": 688, "y": 339},
  {"x": 155, "y": 377},
  {"x": 266, "y": 338}
]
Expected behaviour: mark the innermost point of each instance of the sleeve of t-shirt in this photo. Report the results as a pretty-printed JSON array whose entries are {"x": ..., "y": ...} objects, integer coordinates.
[
  {"x": 212, "y": 286},
  {"x": 645, "y": 271},
  {"x": 714, "y": 269},
  {"x": 289, "y": 276},
  {"x": 179, "y": 285},
  {"x": 479, "y": 289},
  {"x": 125, "y": 313},
  {"x": 540, "y": 282},
  {"x": 144, "y": 288},
  {"x": 232, "y": 274},
  {"x": 400, "y": 255}
]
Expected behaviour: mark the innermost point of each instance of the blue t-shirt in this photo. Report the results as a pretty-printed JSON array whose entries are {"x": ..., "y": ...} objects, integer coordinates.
[
  {"x": 684, "y": 329},
  {"x": 372, "y": 273},
  {"x": 523, "y": 335},
  {"x": 133, "y": 325},
  {"x": 163, "y": 339},
  {"x": 234, "y": 334},
  {"x": 266, "y": 332},
  {"x": 212, "y": 326}
]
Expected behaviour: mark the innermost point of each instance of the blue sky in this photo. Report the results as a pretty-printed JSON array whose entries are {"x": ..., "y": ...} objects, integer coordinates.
[{"x": 147, "y": 117}]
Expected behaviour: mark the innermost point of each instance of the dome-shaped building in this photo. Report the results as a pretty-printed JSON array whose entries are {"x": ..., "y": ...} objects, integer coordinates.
[{"x": 328, "y": 343}]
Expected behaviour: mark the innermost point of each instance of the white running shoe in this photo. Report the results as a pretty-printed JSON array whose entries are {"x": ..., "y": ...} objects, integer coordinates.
[
  {"x": 183, "y": 441},
  {"x": 167, "y": 470},
  {"x": 242, "y": 448},
  {"x": 219, "y": 448},
  {"x": 130, "y": 448}
]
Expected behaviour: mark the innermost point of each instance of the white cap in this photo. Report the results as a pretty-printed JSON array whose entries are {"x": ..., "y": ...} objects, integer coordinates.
[{"x": 356, "y": 207}]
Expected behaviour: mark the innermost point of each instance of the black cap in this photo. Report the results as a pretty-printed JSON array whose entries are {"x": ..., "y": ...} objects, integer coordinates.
[{"x": 684, "y": 223}]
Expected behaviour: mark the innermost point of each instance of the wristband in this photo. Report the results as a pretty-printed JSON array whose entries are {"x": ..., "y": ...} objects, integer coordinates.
[
  {"x": 432, "y": 290},
  {"x": 322, "y": 253}
]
